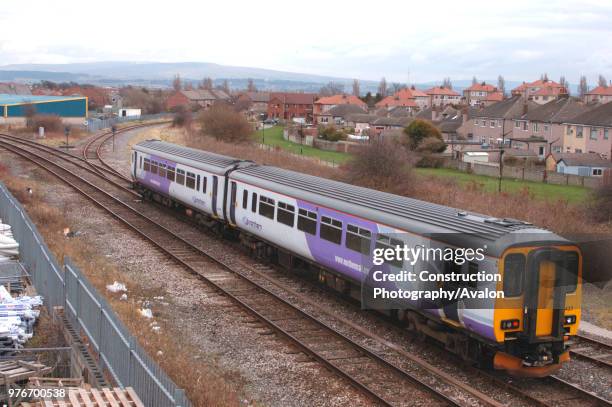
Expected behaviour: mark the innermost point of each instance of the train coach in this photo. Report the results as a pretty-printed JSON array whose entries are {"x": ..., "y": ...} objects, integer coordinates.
[{"x": 332, "y": 229}]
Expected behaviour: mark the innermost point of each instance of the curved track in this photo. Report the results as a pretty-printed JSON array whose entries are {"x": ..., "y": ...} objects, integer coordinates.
[{"x": 366, "y": 370}]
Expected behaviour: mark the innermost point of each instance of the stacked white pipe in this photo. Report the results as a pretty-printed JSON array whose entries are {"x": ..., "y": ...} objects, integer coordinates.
[
  {"x": 17, "y": 318},
  {"x": 9, "y": 248}
]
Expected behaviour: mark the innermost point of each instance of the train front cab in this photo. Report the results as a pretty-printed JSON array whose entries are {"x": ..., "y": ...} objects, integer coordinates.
[{"x": 540, "y": 309}]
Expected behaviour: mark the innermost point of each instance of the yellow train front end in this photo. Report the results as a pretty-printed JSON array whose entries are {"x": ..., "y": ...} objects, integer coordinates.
[{"x": 540, "y": 310}]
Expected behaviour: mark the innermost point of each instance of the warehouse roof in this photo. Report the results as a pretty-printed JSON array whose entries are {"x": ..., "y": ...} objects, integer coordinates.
[{"x": 6, "y": 99}]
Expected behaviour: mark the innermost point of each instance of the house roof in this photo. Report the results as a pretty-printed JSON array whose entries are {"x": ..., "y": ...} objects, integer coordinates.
[
  {"x": 344, "y": 110},
  {"x": 438, "y": 90},
  {"x": 495, "y": 97},
  {"x": 557, "y": 111},
  {"x": 397, "y": 101},
  {"x": 548, "y": 90},
  {"x": 415, "y": 92},
  {"x": 506, "y": 109},
  {"x": 482, "y": 87},
  {"x": 258, "y": 97},
  {"x": 598, "y": 116},
  {"x": 601, "y": 91},
  {"x": 393, "y": 121},
  {"x": 536, "y": 84},
  {"x": 25, "y": 99},
  {"x": 399, "y": 111},
  {"x": 205, "y": 94},
  {"x": 582, "y": 160},
  {"x": 341, "y": 99},
  {"x": 361, "y": 117},
  {"x": 294, "y": 98}
]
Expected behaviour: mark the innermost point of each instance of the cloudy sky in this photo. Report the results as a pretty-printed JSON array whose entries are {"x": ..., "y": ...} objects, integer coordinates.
[{"x": 403, "y": 40}]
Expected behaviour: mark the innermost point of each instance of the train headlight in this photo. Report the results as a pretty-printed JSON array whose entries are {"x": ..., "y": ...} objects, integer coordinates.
[
  {"x": 570, "y": 319},
  {"x": 510, "y": 324}
]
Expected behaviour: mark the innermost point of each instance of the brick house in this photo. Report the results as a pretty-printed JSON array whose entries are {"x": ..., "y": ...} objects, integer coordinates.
[
  {"x": 544, "y": 89},
  {"x": 411, "y": 98},
  {"x": 257, "y": 103},
  {"x": 287, "y": 106},
  {"x": 322, "y": 105},
  {"x": 338, "y": 115},
  {"x": 478, "y": 93},
  {"x": 545, "y": 123},
  {"x": 601, "y": 94},
  {"x": 494, "y": 123},
  {"x": 439, "y": 96},
  {"x": 590, "y": 132},
  {"x": 196, "y": 98}
]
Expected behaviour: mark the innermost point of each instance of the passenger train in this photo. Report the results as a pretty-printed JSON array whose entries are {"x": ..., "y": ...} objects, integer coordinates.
[{"x": 332, "y": 228}]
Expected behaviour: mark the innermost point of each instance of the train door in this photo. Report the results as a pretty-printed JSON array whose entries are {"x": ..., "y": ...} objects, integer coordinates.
[
  {"x": 233, "y": 193},
  {"x": 552, "y": 274},
  {"x": 215, "y": 187},
  {"x": 134, "y": 163}
]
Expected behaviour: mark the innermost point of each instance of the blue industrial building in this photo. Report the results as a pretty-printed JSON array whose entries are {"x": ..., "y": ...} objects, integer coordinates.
[{"x": 17, "y": 106}]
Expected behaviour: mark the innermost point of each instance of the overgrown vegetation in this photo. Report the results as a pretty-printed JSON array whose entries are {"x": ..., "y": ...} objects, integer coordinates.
[
  {"x": 203, "y": 382},
  {"x": 381, "y": 164},
  {"x": 51, "y": 122},
  {"x": 222, "y": 122},
  {"x": 331, "y": 133},
  {"x": 423, "y": 136},
  {"x": 602, "y": 204},
  {"x": 183, "y": 117}
]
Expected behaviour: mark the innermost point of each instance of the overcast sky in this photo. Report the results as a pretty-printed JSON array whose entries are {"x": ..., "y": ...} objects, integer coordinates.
[{"x": 407, "y": 41}]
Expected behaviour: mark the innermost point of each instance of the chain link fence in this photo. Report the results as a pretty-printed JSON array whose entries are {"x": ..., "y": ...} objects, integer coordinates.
[{"x": 117, "y": 350}]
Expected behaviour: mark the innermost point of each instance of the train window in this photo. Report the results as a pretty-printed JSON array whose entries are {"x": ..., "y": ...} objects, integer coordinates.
[
  {"x": 358, "y": 239},
  {"x": 180, "y": 176},
  {"x": 514, "y": 274},
  {"x": 266, "y": 207},
  {"x": 245, "y": 198},
  {"x": 254, "y": 202},
  {"x": 153, "y": 167},
  {"x": 568, "y": 268},
  {"x": 190, "y": 180},
  {"x": 386, "y": 242},
  {"x": 162, "y": 170},
  {"x": 331, "y": 229},
  {"x": 170, "y": 173},
  {"x": 198, "y": 183},
  {"x": 307, "y": 221},
  {"x": 472, "y": 269},
  {"x": 140, "y": 162},
  {"x": 285, "y": 214},
  {"x": 147, "y": 164},
  {"x": 204, "y": 182}
]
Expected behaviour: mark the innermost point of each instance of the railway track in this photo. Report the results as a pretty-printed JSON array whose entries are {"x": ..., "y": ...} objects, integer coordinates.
[
  {"x": 384, "y": 382},
  {"x": 592, "y": 350},
  {"x": 333, "y": 349}
]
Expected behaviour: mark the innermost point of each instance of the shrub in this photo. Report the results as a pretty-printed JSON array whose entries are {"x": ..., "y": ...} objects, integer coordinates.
[
  {"x": 182, "y": 118},
  {"x": 430, "y": 161},
  {"x": 331, "y": 133},
  {"x": 51, "y": 123},
  {"x": 431, "y": 145},
  {"x": 420, "y": 130},
  {"x": 602, "y": 204},
  {"x": 222, "y": 122},
  {"x": 381, "y": 164}
]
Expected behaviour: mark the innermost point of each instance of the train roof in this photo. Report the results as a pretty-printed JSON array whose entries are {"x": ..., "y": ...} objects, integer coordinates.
[
  {"x": 397, "y": 211},
  {"x": 189, "y": 156}
]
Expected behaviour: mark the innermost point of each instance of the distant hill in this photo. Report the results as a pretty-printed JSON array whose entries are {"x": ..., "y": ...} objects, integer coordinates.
[{"x": 160, "y": 74}]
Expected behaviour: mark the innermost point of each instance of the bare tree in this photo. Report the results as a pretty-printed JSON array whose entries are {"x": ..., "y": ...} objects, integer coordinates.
[
  {"x": 381, "y": 164},
  {"x": 396, "y": 86},
  {"x": 207, "y": 83},
  {"x": 583, "y": 88},
  {"x": 501, "y": 84},
  {"x": 188, "y": 86},
  {"x": 601, "y": 81},
  {"x": 563, "y": 82},
  {"x": 225, "y": 86},
  {"x": 222, "y": 122},
  {"x": 356, "y": 90},
  {"x": 474, "y": 80},
  {"x": 251, "y": 86},
  {"x": 332, "y": 88},
  {"x": 176, "y": 82},
  {"x": 446, "y": 83},
  {"x": 544, "y": 77},
  {"x": 382, "y": 87}
]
